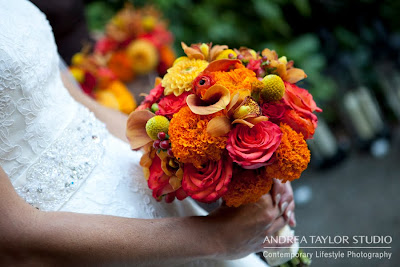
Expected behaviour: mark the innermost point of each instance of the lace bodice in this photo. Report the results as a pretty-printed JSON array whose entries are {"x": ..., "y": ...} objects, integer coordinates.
[{"x": 32, "y": 111}]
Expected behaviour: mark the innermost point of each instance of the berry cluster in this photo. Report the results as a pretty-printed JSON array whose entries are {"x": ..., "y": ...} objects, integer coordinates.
[{"x": 163, "y": 143}]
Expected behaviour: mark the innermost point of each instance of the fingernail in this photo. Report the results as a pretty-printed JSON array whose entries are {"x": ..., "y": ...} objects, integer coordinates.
[
  {"x": 288, "y": 214},
  {"x": 284, "y": 206},
  {"x": 277, "y": 199},
  {"x": 293, "y": 220}
]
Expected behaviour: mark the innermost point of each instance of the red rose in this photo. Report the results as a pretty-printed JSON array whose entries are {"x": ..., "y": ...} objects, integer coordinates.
[
  {"x": 180, "y": 194},
  {"x": 299, "y": 99},
  {"x": 105, "y": 45},
  {"x": 251, "y": 148},
  {"x": 89, "y": 83},
  {"x": 158, "y": 180},
  {"x": 304, "y": 123},
  {"x": 171, "y": 104},
  {"x": 274, "y": 110},
  {"x": 208, "y": 183},
  {"x": 153, "y": 97}
]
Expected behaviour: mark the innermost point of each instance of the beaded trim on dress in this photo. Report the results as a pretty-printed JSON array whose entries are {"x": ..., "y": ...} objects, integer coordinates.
[{"x": 63, "y": 167}]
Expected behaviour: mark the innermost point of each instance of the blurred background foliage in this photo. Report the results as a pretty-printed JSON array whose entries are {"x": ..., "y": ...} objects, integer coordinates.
[{"x": 338, "y": 43}]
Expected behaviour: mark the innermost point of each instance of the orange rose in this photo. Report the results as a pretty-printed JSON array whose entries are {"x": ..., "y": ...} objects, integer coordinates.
[
  {"x": 301, "y": 118},
  {"x": 299, "y": 99}
]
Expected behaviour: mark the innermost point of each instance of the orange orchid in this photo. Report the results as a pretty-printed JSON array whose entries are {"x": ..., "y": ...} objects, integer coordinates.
[
  {"x": 242, "y": 109},
  {"x": 212, "y": 98},
  {"x": 136, "y": 128},
  {"x": 282, "y": 67},
  {"x": 172, "y": 169}
]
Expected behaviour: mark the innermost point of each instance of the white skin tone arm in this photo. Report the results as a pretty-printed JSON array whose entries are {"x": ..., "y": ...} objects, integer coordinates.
[{"x": 30, "y": 236}]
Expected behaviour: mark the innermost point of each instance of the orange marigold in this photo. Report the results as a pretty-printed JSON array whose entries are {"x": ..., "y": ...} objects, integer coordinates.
[
  {"x": 190, "y": 141},
  {"x": 236, "y": 79},
  {"x": 121, "y": 65},
  {"x": 291, "y": 157},
  {"x": 247, "y": 186}
]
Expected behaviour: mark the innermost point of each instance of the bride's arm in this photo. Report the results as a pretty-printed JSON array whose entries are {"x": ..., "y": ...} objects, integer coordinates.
[
  {"x": 30, "y": 236},
  {"x": 115, "y": 121}
]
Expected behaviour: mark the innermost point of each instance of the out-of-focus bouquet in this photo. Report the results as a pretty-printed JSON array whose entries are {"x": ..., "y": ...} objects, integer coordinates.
[
  {"x": 135, "y": 42},
  {"x": 223, "y": 123}
]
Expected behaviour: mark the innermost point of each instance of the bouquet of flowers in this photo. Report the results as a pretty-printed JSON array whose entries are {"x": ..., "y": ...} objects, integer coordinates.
[
  {"x": 223, "y": 123},
  {"x": 135, "y": 42}
]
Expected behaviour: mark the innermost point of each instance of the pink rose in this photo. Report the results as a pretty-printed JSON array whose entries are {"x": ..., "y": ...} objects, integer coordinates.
[
  {"x": 251, "y": 148},
  {"x": 208, "y": 183},
  {"x": 171, "y": 104}
]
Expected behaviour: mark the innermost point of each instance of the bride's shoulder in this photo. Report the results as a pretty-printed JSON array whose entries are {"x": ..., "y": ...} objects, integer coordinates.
[
  {"x": 26, "y": 42},
  {"x": 23, "y": 25}
]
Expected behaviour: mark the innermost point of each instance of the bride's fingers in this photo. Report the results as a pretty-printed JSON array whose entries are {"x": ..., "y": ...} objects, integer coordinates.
[
  {"x": 277, "y": 191},
  {"x": 288, "y": 213},
  {"x": 271, "y": 212},
  {"x": 277, "y": 225},
  {"x": 271, "y": 240}
]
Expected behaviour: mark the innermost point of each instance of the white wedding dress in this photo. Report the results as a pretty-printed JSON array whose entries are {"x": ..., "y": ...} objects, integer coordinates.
[{"x": 58, "y": 156}]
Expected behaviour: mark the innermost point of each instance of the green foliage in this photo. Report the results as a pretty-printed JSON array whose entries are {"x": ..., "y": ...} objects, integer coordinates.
[
  {"x": 98, "y": 13},
  {"x": 276, "y": 24}
]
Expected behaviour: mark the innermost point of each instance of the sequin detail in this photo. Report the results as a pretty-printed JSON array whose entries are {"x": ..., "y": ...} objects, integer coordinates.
[{"x": 63, "y": 167}]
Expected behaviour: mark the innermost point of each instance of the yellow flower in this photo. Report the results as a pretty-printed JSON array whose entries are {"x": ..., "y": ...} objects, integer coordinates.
[
  {"x": 226, "y": 53},
  {"x": 78, "y": 74},
  {"x": 144, "y": 56},
  {"x": 156, "y": 125},
  {"x": 107, "y": 99},
  {"x": 149, "y": 22},
  {"x": 181, "y": 75},
  {"x": 116, "y": 96},
  {"x": 77, "y": 59},
  {"x": 274, "y": 88}
]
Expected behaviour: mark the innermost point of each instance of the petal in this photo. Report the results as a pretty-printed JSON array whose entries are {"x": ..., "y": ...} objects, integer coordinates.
[
  {"x": 241, "y": 121},
  {"x": 157, "y": 81},
  {"x": 270, "y": 54},
  {"x": 191, "y": 52},
  {"x": 136, "y": 128},
  {"x": 221, "y": 65},
  {"x": 175, "y": 182},
  {"x": 257, "y": 119},
  {"x": 238, "y": 100},
  {"x": 216, "y": 93},
  {"x": 294, "y": 75},
  {"x": 234, "y": 100},
  {"x": 219, "y": 126},
  {"x": 216, "y": 50},
  {"x": 251, "y": 121}
]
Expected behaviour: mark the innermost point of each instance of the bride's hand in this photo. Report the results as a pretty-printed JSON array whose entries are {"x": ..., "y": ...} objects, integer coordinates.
[
  {"x": 242, "y": 230},
  {"x": 282, "y": 195}
]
